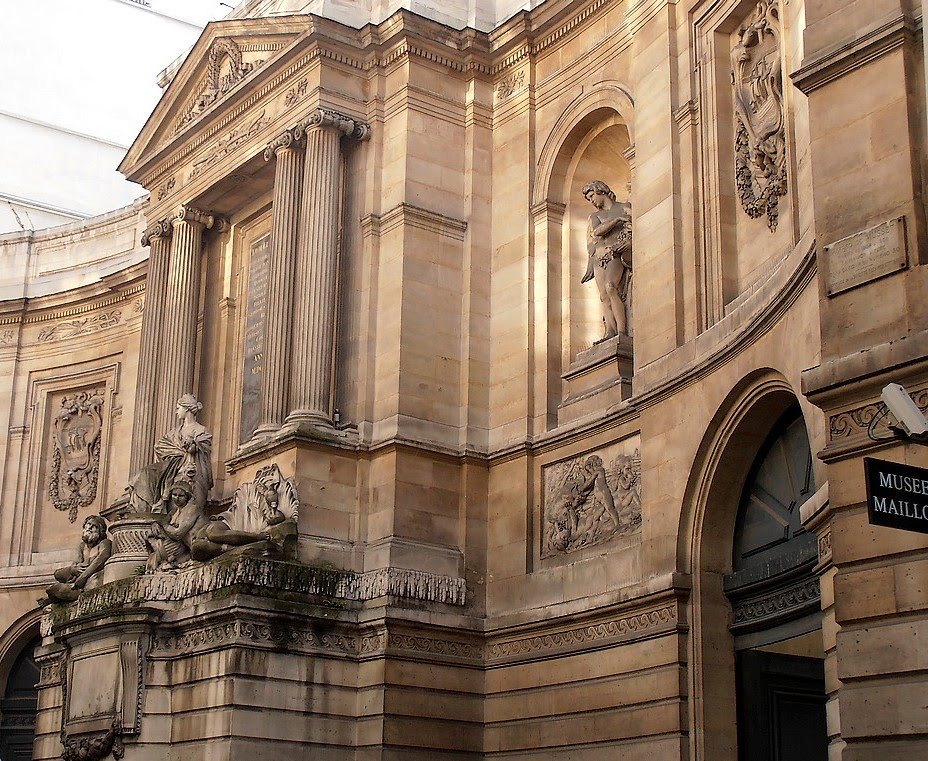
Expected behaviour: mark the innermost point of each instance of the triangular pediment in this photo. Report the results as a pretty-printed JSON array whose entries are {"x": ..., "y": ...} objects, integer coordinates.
[{"x": 228, "y": 56}]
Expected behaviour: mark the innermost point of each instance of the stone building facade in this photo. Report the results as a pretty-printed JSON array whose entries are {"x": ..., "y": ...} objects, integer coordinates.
[{"x": 511, "y": 532}]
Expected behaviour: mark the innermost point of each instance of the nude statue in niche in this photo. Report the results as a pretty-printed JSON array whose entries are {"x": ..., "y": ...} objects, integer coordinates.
[
  {"x": 609, "y": 247},
  {"x": 95, "y": 549}
]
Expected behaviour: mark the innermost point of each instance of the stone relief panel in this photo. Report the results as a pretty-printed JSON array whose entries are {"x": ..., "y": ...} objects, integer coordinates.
[
  {"x": 591, "y": 499},
  {"x": 225, "y": 69},
  {"x": 76, "y": 437},
  {"x": 760, "y": 135}
]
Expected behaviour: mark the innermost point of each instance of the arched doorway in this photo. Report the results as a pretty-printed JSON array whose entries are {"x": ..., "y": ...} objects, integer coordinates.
[
  {"x": 18, "y": 706},
  {"x": 754, "y": 596},
  {"x": 776, "y": 611}
]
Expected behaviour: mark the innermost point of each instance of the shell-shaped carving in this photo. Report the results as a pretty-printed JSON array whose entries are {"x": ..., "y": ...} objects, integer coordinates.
[{"x": 255, "y": 504}]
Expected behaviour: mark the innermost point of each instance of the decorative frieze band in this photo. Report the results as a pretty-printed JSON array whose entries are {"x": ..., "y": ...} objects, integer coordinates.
[{"x": 778, "y": 604}]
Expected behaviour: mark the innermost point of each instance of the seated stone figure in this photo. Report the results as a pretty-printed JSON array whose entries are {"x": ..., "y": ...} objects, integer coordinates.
[
  {"x": 170, "y": 543},
  {"x": 95, "y": 549},
  {"x": 262, "y": 520}
]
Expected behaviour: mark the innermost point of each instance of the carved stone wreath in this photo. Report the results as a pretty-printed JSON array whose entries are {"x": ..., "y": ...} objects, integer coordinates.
[
  {"x": 217, "y": 84},
  {"x": 760, "y": 135},
  {"x": 76, "y": 452}
]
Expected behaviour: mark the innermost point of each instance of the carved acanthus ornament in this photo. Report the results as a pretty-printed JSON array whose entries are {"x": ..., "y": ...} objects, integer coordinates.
[
  {"x": 349, "y": 127},
  {"x": 225, "y": 69},
  {"x": 76, "y": 456},
  {"x": 760, "y": 134},
  {"x": 230, "y": 142}
]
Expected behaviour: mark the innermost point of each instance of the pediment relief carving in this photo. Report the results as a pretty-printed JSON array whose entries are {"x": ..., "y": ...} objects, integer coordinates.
[{"x": 227, "y": 65}]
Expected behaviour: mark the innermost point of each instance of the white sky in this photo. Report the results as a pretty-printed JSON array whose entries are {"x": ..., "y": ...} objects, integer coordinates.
[{"x": 90, "y": 65}]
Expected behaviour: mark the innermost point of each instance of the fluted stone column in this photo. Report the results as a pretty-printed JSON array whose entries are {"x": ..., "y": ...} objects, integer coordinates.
[
  {"x": 285, "y": 226},
  {"x": 178, "y": 356},
  {"x": 317, "y": 266},
  {"x": 158, "y": 236}
]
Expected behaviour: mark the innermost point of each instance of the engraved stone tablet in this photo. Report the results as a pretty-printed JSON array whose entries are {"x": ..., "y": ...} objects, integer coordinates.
[
  {"x": 92, "y": 686},
  {"x": 255, "y": 322},
  {"x": 865, "y": 256}
]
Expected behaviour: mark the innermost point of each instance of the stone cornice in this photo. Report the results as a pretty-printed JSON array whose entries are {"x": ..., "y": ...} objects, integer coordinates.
[{"x": 870, "y": 45}]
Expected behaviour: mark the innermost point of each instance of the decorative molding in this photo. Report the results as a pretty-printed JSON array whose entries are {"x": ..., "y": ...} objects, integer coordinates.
[
  {"x": 266, "y": 574},
  {"x": 868, "y": 47},
  {"x": 80, "y": 327},
  {"x": 423, "y": 219},
  {"x": 77, "y": 429},
  {"x": 824, "y": 547},
  {"x": 224, "y": 146},
  {"x": 7, "y": 337},
  {"x": 855, "y": 423},
  {"x": 510, "y": 84},
  {"x": 782, "y": 603},
  {"x": 166, "y": 187},
  {"x": 632, "y": 626},
  {"x": 296, "y": 93}
]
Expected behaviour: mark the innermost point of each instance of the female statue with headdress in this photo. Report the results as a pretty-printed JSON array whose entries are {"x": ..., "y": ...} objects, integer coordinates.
[{"x": 183, "y": 453}]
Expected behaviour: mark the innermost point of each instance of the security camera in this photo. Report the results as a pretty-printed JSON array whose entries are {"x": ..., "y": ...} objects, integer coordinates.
[{"x": 909, "y": 417}]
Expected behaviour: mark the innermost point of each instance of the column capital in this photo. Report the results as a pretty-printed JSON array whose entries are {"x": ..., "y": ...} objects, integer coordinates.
[
  {"x": 289, "y": 138},
  {"x": 192, "y": 215},
  {"x": 160, "y": 229},
  {"x": 348, "y": 126}
]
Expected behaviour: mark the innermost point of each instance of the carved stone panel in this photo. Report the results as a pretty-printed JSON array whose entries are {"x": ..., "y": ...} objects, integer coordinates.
[
  {"x": 255, "y": 326},
  {"x": 760, "y": 134},
  {"x": 77, "y": 426},
  {"x": 591, "y": 499},
  {"x": 865, "y": 256}
]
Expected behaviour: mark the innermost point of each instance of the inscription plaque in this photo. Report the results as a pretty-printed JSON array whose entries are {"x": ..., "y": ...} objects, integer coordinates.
[
  {"x": 897, "y": 495},
  {"x": 865, "y": 256},
  {"x": 255, "y": 327}
]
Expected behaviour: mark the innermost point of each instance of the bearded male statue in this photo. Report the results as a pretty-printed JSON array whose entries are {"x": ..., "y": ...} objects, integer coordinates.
[{"x": 95, "y": 549}]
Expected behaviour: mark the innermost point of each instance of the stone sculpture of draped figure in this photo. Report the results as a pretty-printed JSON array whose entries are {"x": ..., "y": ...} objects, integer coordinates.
[{"x": 183, "y": 454}]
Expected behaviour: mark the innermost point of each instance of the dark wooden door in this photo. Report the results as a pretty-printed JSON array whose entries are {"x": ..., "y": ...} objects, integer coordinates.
[{"x": 781, "y": 708}]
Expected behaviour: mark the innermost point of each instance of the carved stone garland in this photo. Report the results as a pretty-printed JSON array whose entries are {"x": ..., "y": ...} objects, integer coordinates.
[
  {"x": 76, "y": 454},
  {"x": 760, "y": 135}
]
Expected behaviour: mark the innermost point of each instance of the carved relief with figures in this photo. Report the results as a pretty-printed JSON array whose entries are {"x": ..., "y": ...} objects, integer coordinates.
[{"x": 591, "y": 499}]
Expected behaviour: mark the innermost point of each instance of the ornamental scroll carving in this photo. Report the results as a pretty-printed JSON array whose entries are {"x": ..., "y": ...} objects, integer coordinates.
[
  {"x": 76, "y": 453},
  {"x": 760, "y": 135},
  {"x": 591, "y": 499},
  {"x": 225, "y": 69}
]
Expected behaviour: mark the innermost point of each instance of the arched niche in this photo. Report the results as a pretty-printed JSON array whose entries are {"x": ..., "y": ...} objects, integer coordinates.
[
  {"x": 592, "y": 140},
  {"x": 19, "y": 675},
  {"x": 734, "y": 447}
]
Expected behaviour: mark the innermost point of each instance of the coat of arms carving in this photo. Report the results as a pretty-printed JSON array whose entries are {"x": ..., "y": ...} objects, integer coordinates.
[
  {"x": 760, "y": 135},
  {"x": 76, "y": 451},
  {"x": 591, "y": 499}
]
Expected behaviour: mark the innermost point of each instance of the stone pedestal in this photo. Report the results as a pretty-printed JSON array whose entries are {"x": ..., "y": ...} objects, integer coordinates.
[
  {"x": 248, "y": 657},
  {"x": 598, "y": 378}
]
